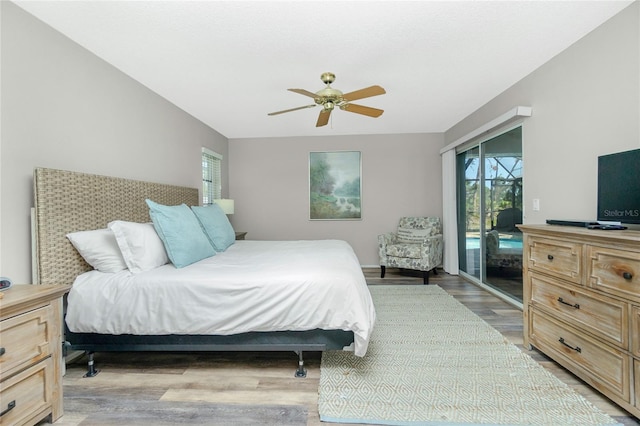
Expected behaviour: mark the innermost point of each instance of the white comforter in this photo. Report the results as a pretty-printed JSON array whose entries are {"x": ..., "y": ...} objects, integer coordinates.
[{"x": 253, "y": 286}]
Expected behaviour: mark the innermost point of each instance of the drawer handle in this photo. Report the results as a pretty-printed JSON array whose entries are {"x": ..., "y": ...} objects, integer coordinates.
[
  {"x": 550, "y": 256},
  {"x": 576, "y": 305},
  {"x": 10, "y": 407},
  {"x": 577, "y": 348},
  {"x": 627, "y": 275}
]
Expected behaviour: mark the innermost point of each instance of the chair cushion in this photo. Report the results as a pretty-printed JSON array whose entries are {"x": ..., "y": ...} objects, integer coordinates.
[
  {"x": 411, "y": 251},
  {"x": 505, "y": 260}
]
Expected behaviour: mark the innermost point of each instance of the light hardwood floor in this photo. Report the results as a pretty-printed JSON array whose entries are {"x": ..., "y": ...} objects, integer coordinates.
[{"x": 254, "y": 379}]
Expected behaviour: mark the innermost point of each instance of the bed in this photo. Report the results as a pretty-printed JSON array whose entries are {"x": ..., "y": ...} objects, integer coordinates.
[{"x": 253, "y": 296}]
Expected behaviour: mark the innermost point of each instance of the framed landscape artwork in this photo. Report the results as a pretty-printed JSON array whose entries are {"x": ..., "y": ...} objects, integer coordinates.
[{"x": 335, "y": 186}]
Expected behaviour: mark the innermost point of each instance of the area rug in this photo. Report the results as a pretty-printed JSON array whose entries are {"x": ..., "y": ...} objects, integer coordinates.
[{"x": 431, "y": 361}]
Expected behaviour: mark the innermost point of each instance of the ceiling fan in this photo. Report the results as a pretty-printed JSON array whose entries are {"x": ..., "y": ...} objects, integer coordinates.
[{"x": 329, "y": 98}]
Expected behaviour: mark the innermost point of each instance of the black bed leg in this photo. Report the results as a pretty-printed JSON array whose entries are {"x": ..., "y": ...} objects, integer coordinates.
[
  {"x": 91, "y": 369},
  {"x": 425, "y": 277},
  {"x": 301, "y": 371},
  {"x": 383, "y": 269}
]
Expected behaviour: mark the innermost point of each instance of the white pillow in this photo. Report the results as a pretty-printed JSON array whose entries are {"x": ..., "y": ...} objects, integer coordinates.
[
  {"x": 413, "y": 236},
  {"x": 140, "y": 245},
  {"x": 99, "y": 249}
]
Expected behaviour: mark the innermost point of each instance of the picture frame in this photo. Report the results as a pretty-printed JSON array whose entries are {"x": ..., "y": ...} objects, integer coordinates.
[{"x": 335, "y": 185}]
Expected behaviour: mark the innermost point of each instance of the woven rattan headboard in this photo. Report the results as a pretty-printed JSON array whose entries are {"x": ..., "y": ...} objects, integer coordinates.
[{"x": 68, "y": 201}]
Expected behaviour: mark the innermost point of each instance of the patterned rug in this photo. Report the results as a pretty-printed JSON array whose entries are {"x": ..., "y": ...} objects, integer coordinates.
[{"x": 431, "y": 361}]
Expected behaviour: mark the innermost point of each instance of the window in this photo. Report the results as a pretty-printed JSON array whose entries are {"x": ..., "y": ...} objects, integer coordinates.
[{"x": 211, "y": 176}]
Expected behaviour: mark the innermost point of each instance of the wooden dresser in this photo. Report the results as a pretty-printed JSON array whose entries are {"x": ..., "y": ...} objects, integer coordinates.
[
  {"x": 31, "y": 354},
  {"x": 582, "y": 305}
]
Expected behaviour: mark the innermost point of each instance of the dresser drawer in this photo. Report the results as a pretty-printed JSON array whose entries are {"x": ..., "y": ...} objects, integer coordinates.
[
  {"x": 25, "y": 395},
  {"x": 600, "y": 315},
  {"x": 615, "y": 271},
  {"x": 25, "y": 339},
  {"x": 602, "y": 366},
  {"x": 562, "y": 259}
]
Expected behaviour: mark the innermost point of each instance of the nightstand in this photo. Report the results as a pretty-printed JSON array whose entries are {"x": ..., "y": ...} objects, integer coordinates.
[
  {"x": 240, "y": 235},
  {"x": 31, "y": 353}
]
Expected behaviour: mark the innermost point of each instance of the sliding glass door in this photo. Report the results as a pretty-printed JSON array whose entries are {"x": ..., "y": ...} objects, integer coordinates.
[
  {"x": 469, "y": 171},
  {"x": 489, "y": 208}
]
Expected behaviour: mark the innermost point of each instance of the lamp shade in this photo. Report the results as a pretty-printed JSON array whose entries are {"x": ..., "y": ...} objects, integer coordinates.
[{"x": 225, "y": 204}]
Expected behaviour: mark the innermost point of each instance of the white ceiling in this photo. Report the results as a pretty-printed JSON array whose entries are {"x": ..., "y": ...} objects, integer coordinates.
[{"x": 229, "y": 63}]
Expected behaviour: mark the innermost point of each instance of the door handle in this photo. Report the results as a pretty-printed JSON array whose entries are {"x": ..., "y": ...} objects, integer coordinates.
[
  {"x": 10, "y": 406},
  {"x": 575, "y": 305},
  {"x": 577, "y": 348}
]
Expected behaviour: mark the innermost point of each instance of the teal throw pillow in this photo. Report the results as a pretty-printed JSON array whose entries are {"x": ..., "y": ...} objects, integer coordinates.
[
  {"x": 181, "y": 234},
  {"x": 216, "y": 226}
]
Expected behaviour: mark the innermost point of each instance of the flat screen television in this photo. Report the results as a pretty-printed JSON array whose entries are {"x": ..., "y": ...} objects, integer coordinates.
[{"x": 619, "y": 187}]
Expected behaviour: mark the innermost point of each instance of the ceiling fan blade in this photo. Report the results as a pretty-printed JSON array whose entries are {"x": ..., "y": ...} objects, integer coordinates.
[
  {"x": 292, "y": 109},
  {"x": 364, "y": 110},
  {"x": 323, "y": 118},
  {"x": 304, "y": 92},
  {"x": 364, "y": 93}
]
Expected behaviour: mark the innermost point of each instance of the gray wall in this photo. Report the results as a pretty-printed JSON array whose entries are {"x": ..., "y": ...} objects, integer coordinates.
[
  {"x": 63, "y": 107},
  {"x": 269, "y": 180},
  {"x": 586, "y": 102}
]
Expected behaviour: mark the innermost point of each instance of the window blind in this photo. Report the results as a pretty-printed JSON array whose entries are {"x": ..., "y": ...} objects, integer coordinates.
[{"x": 211, "y": 176}]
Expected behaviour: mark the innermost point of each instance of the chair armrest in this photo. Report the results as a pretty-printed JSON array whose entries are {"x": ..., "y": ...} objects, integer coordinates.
[
  {"x": 388, "y": 238},
  {"x": 432, "y": 249},
  {"x": 383, "y": 241},
  {"x": 432, "y": 240}
]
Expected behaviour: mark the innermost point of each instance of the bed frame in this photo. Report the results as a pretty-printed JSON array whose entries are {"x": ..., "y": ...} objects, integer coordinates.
[{"x": 69, "y": 201}]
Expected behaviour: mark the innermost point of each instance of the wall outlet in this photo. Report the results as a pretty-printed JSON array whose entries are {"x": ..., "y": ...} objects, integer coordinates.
[{"x": 536, "y": 204}]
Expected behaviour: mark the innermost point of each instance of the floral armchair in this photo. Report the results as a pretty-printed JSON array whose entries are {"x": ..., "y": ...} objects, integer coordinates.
[
  {"x": 417, "y": 245},
  {"x": 502, "y": 258}
]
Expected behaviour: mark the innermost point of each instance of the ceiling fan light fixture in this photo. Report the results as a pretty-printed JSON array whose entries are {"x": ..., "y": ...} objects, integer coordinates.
[
  {"x": 329, "y": 93},
  {"x": 329, "y": 98}
]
